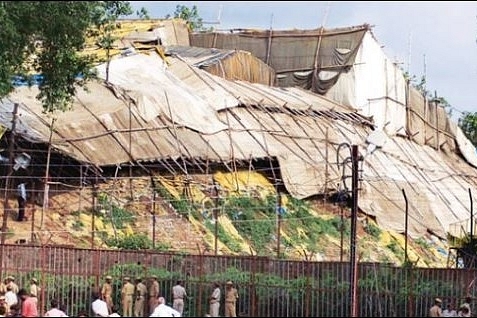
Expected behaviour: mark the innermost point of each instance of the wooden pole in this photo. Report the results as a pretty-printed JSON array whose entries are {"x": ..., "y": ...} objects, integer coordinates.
[{"x": 47, "y": 176}]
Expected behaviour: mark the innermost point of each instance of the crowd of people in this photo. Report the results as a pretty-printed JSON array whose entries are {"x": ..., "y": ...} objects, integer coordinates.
[
  {"x": 450, "y": 310},
  {"x": 146, "y": 300},
  {"x": 138, "y": 299}
]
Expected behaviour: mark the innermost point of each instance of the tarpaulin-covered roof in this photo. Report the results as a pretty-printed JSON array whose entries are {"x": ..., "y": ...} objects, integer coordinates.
[
  {"x": 151, "y": 111},
  {"x": 229, "y": 64},
  {"x": 295, "y": 55}
]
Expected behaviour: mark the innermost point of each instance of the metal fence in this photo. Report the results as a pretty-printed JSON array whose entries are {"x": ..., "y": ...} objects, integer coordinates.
[{"x": 267, "y": 287}]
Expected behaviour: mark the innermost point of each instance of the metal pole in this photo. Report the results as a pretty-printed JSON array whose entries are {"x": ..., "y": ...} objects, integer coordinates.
[
  {"x": 471, "y": 218},
  {"x": 153, "y": 212},
  {"x": 279, "y": 223},
  {"x": 341, "y": 232},
  {"x": 93, "y": 213},
  {"x": 405, "y": 227},
  {"x": 216, "y": 217},
  {"x": 354, "y": 215},
  {"x": 154, "y": 219}
]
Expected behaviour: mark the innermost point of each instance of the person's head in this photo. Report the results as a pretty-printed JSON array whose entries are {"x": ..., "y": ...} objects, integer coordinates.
[
  {"x": 468, "y": 299},
  {"x": 54, "y": 303},
  {"x": 15, "y": 308},
  {"x": 3, "y": 311},
  {"x": 95, "y": 295},
  {"x": 229, "y": 284},
  {"x": 138, "y": 279},
  {"x": 216, "y": 284},
  {"x": 108, "y": 279},
  {"x": 23, "y": 294},
  {"x": 83, "y": 313},
  {"x": 161, "y": 300},
  {"x": 179, "y": 282}
]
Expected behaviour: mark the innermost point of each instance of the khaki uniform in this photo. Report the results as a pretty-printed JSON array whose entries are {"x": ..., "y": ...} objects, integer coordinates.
[
  {"x": 153, "y": 294},
  {"x": 178, "y": 295},
  {"x": 127, "y": 293},
  {"x": 231, "y": 296},
  {"x": 35, "y": 291},
  {"x": 107, "y": 295},
  {"x": 140, "y": 304}
]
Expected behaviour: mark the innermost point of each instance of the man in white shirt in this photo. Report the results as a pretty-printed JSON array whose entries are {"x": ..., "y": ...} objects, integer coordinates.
[
  {"x": 163, "y": 310},
  {"x": 10, "y": 298},
  {"x": 99, "y": 306},
  {"x": 55, "y": 311}
]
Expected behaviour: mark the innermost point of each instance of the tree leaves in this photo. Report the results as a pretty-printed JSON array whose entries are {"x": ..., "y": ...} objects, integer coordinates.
[{"x": 46, "y": 38}]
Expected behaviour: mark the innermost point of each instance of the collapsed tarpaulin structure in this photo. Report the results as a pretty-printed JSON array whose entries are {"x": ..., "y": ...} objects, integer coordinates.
[{"x": 171, "y": 113}]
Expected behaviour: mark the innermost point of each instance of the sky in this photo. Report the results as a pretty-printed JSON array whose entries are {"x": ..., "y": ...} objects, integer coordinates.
[{"x": 434, "y": 39}]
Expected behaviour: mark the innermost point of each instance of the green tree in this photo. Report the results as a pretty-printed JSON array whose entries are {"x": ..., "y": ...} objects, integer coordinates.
[
  {"x": 104, "y": 19},
  {"x": 45, "y": 37},
  {"x": 191, "y": 15},
  {"x": 468, "y": 123}
]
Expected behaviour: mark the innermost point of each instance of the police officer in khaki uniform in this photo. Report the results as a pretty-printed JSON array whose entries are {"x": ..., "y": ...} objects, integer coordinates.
[
  {"x": 153, "y": 294},
  {"x": 107, "y": 293},
  {"x": 127, "y": 293},
  {"x": 178, "y": 295},
  {"x": 34, "y": 289},
  {"x": 141, "y": 293},
  {"x": 231, "y": 296}
]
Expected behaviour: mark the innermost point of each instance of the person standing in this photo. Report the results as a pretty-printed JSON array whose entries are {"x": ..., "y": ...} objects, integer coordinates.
[
  {"x": 127, "y": 293},
  {"x": 153, "y": 293},
  {"x": 34, "y": 289},
  {"x": 141, "y": 293},
  {"x": 436, "y": 310},
  {"x": 178, "y": 295},
  {"x": 21, "y": 199},
  {"x": 214, "y": 301},
  {"x": 464, "y": 309},
  {"x": 107, "y": 292},
  {"x": 29, "y": 308},
  {"x": 99, "y": 306},
  {"x": 11, "y": 282},
  {"x": 231, "y": 296},
  {"x": 449, "y": 311},
  {"x": 10, "y": 298}
]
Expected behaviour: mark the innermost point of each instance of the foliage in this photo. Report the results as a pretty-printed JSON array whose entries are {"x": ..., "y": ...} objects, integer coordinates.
[
  {"x": 468, "y": 123},
  {"x": 41, "y": 42},
  {"x": 130, "y": 242},
  {"x": 181, "y": 205},
  {"x": 223, "y": 236},
  {"x": 191, "y": 15},
  {"x": 373, "y": 230},
  {"x": 104, "y": 19},
  {"x": 118, "y": 216},
  {"x": 250, "y": 217},
  {"x": 420, "y": 85},
  {"x": 143, "y": 14},
  {"x": 77, "y": 225}
]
